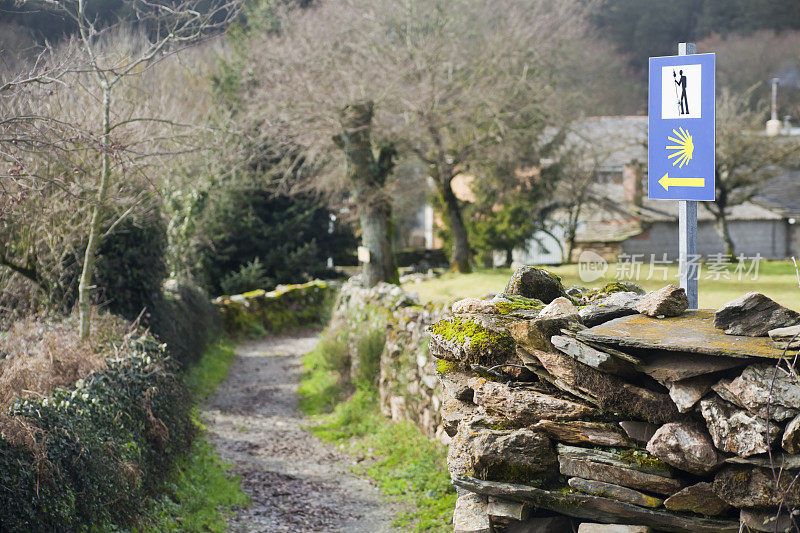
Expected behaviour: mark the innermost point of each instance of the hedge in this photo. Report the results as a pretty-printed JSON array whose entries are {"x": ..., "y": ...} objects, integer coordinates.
[{"x": 86, "y": 457}]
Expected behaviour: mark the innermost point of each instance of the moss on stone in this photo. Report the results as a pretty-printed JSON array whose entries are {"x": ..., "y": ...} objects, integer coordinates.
[
  {"x": 513, "y": 474},
  {"x": 644, "y": 460},
  {"x": 612, "y": 287},
  {"x": 446, "y": 367},
  {"x": 502, "y": 426},
  {"x": 462, "y": 330},
  {"x": 254, "y": 294},
  {"x": 518, "y": 303}
]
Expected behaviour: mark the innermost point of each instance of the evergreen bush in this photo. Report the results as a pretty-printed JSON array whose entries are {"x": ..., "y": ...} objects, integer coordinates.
[{"x": 85, "y": 457}]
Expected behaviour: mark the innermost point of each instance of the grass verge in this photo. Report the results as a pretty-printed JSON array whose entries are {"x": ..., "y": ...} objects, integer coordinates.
[
  {"x": 200, "y": 495},
  {"x": 406, "y": 465},
  {"x": 212, "y": 369},
  {"x": 201, "y": 492}
]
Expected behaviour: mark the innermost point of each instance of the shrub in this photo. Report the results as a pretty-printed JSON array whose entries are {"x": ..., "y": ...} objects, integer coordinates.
[
  {"x": 44, "y": 354},
  {"x": 185, "y": 319},
  {"x": 288, "y": 235},
  {"x": 131, "y": 265},
  {"x": 249, "y": 277},
  {"x": 86, "y": 457}
]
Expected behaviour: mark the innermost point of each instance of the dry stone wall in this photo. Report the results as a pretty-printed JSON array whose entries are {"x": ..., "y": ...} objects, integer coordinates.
[
  {"x": 569, "y": 407},
  {"x": 285, "y": 307},
  {"x": 408, "y": 385}
]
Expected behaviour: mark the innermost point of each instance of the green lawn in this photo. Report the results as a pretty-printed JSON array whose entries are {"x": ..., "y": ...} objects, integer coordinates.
[{"x": 776, "y": 279}]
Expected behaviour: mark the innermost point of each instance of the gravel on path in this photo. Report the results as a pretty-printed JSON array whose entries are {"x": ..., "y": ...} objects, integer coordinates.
[{"x": 297, "y": 482}]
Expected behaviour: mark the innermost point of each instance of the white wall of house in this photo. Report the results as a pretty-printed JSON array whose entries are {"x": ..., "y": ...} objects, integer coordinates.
[{"x": 541, "y": 249}]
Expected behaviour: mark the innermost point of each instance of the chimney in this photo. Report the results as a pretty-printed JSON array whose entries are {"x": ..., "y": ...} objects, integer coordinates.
[
  {"x": 632, "y": 183},
  {"x": 773, "y": 124}
]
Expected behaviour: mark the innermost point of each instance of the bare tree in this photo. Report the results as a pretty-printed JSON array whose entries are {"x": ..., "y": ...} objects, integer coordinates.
[
  {"x": 89, "y": 141},
  {"x": 745, "y": 158},
  {"x": 167, "y": 25},
  {"x": 453, "y": 83},
  {"x": 480, "y": 82},
  {"x": 316, "y": 95},
  {"x": 747, "y": 60}
]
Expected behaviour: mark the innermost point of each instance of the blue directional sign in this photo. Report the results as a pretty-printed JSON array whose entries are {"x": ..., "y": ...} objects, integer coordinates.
[{"x": 681, "y": 128}]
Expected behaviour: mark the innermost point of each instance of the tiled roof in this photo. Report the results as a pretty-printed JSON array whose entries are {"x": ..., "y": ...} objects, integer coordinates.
[
  {"x": 782, "y": 194},
  {"x": 614, "y": 141}
]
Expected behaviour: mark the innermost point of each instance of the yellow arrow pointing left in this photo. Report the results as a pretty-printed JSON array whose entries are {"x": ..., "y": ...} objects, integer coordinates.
[{"x": 668, "y": 182}]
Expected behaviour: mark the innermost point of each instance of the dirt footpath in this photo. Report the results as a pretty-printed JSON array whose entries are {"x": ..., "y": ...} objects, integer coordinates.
[{"x": 297, "y": 482}]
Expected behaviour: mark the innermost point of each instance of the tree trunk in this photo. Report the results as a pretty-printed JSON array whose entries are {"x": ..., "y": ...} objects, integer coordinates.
[
  {"x": 720, "y": 217},
  {"x": 509, "y": 257},
  {"x": 374, "y": 236},
  {"x": 572, "y": 230},
  {"x": 85, "y": 285},
  {"x": 721, "y": 225},
  {"x": 368, "y": 177},
  {"x": 461, "y": 254}
]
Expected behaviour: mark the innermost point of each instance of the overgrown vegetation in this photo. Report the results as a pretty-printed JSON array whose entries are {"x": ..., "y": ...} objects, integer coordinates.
[
  {"x": 90, "y": 454},
  {"x": 95, "y": 430},
  {"x": 405, "y": 464}
]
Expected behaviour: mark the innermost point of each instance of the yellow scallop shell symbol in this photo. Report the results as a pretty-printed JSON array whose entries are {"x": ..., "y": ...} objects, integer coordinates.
[{"x": 682, "y": 149}]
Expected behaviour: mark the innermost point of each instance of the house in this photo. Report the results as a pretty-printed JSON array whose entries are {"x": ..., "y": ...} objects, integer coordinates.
[{"x": 619, "y": 219}]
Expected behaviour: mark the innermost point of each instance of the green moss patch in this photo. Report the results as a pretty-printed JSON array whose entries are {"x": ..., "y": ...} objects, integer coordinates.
[
  {"x": 518, "y": 303},
  {"x": 612, "y": 287},
  {"x": 643, "y": 459},
  {"x": 446, "y": 367},
  {"x": 477, "y": 339}
]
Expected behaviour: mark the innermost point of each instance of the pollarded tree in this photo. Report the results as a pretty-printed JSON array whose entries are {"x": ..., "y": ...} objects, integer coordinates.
[
  {"x": 313, "y": 91},
  {"x": 480, "y": 80}
]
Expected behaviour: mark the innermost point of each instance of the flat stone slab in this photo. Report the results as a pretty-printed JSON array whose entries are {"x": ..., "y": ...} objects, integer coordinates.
[
  {"x": 626, "y": 477},
  {"x": 692, "y": 332},
  {"x": 617, "y": 492},
  {"x": 582, "y": 432},
  {"x": 636, "y": 460},
  {"x": 667, "y": 368},
  {"x": 699, "y": 498},
  {"x": 781, "y": 461},
  {"x": 597, "y": 508}
]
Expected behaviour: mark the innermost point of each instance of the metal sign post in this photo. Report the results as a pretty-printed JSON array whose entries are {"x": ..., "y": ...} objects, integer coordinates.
[
  {"x": 687, "y": 226},
  {"x": 681, "y": 157}
]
